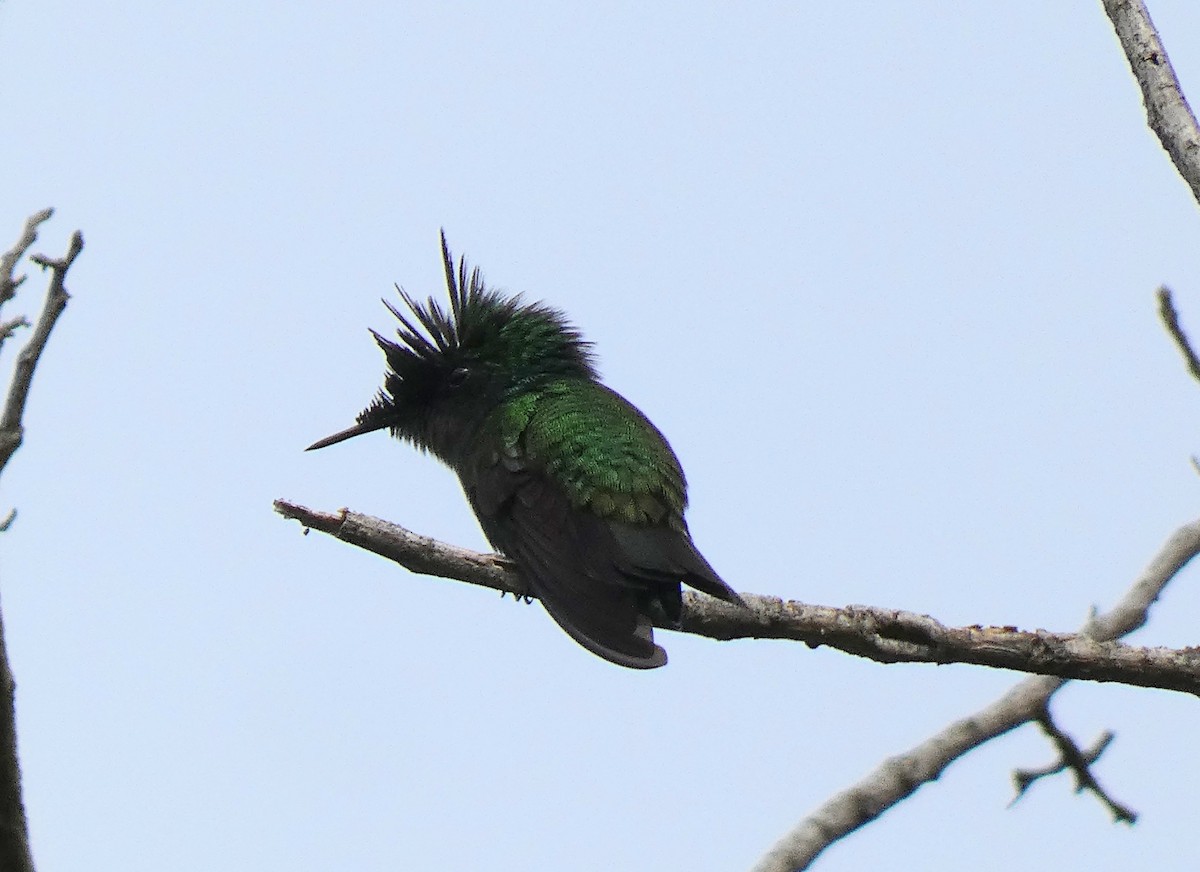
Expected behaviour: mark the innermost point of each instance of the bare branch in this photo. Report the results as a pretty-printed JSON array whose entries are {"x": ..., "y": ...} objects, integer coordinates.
[
  {"x": 899, "y": 777},
  {"x": 1077, "y": 760},
  {"x": 1167, "y": 110},
  {"x": 8, "y": 261},
  {"x": 11, "y": 429},
  {"x": 414, "y": 552},
  {"x": 884, "y": 635},
  {"x": 894, "y": 636},
  {"x": 1023, "y": 779},
  {"x": 1170, "y": 319},
  {"x": 14, "y": 827},
  {"x": 8, "y": 328},
  {"x": 14, "y": 830}
]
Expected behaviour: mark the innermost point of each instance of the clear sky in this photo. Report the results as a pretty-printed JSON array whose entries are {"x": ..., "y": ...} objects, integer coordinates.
[{"x": 884, "y": 275}]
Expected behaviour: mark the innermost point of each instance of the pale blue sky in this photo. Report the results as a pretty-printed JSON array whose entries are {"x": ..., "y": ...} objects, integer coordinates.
[{"x": 883, "y": 274}]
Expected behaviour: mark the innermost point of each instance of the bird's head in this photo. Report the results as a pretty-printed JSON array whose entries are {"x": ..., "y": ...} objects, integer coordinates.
[{"x": 452, "y": 367}]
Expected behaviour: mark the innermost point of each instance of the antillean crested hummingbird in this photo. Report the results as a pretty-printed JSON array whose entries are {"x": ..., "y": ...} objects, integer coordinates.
[{"x": 566, "y": 476}]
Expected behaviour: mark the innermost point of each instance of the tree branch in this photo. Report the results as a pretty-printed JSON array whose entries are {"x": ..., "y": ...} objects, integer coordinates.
[
  {"x": 1077, "y": 760},
  {"x": 8, "y": 261},
  {"x": 1167, "y": 110},
  {"x": 9, "y": 282},
  {"x": 899, "y": 777},
  {"x": 1170, "y": 319},
  {"x": 884, "y": 635},
  {"x": 11, "y": 429},
  {"x": 14, "y": 829},
  {"x": 419, "y": 554}
]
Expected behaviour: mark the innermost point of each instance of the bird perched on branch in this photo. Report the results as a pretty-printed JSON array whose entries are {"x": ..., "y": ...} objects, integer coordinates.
[{"x": 565, "y": 475}]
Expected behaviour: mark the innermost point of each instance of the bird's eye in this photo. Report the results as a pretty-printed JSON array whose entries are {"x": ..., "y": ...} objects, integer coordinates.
[{"x": 457, "y": 377}]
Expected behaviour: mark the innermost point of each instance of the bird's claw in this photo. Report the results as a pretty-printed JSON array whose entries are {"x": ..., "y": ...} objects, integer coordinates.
[{"x": 518, "y": 595}]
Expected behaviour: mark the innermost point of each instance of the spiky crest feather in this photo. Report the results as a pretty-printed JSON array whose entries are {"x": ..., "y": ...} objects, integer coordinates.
[{"x": 517, "y": 342}]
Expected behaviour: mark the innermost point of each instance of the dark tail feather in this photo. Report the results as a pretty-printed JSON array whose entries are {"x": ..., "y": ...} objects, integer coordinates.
[
  {"x": 660, "y": 552},
  {"x": 636, "y": 651}
]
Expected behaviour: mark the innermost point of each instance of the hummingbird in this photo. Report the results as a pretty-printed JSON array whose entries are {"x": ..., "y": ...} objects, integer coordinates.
[{"x": 566, "y": 477}]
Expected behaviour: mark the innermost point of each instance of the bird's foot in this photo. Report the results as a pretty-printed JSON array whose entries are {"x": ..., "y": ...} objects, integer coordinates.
[
  {"x": 524, "y": 593},
  {"x": 520, "y": 590}
]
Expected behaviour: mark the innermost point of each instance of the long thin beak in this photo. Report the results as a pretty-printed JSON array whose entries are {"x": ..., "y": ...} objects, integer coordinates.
[{"x": 348, "y": 433}]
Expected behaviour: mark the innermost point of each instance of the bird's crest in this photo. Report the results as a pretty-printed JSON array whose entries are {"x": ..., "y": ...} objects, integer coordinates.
[
  {"x": 483, "y": 326},
  {"x": 499, "y": 339}
]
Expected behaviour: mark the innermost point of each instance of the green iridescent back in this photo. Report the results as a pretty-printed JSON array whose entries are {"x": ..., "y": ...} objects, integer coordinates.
[{"x": 606, "y": 454}]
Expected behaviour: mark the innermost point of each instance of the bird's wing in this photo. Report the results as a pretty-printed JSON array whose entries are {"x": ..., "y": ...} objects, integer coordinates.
[
  {"x": 656, "y": 553},
  {"x": 570, "y": 560},
  {"x": 587, "y": 496},
  {"x": 620, "y": 467}
]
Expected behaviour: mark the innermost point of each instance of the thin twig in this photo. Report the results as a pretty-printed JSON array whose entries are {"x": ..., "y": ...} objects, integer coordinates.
[
  {"x": 1079, "y": 761},
  {"x": 11, "y": 429},
  {"x": 8, "y": 261},
  {"x": 1023, "y": 779},
  {"x": 416, "y": 553},
  {"x": 1170, "y": 319},
  {"x": 8, "y": 328}
]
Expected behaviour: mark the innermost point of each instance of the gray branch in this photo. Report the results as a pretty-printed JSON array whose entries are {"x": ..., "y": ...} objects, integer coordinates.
[
  {"x": 1077, "y": 760},
  {"x": 900, "y": 776},
  {"x": 1170, "y": 319},
  {"x": 9, "y": 281},
  {"x": 883, "y": 635},
  {"x": 14, "y": 830},
  {"x": 1167, "y": 110},
  {"x": 11, "y": 428}
]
